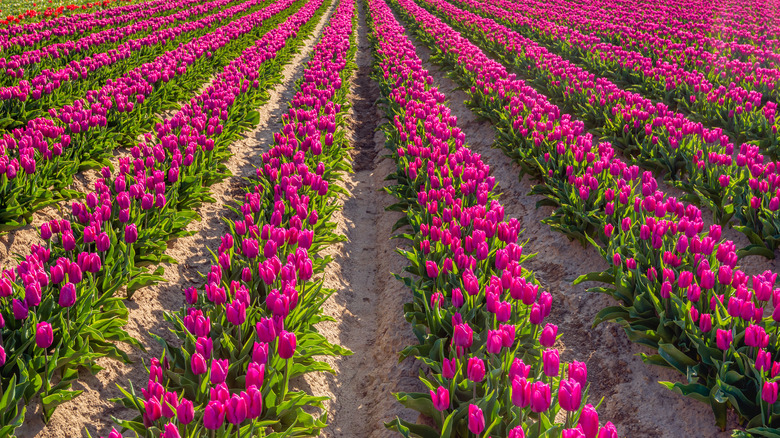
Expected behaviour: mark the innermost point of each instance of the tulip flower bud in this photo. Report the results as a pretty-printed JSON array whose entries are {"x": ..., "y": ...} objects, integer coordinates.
[
  {"x": 540, "y": 397},
  {"x": 608, "y": 431},
  {"x": 171, "y": 431},
  {"x": 236, "y": 410},
  {"x": 185, "y": 412},
  {"x": 476, "y": 420},
  {"x": 198, "y": 364},
  {"x": 44, "y": 335},
  {"x": 213, "y": 415},
  {"x": 521, "y": 392},
  {"x": 516, "y": 432},
  {"x": 551, "y": 362},
  {"x": 286, "y": 347},
  {"x": 67, "y": 295},
  {"x": 548, "y": 336},
  {"x": 570, "y": 395},
  {"x": 589, "y": 421},
  {"x": 219, "y": 370},
  {"x": 152, "y": 409},
  {"x": 475, "y": 369},
  {"x": 723, "y": 339},
  {"x": 449, "y": 368},
  {"x": 441, "y": 399},
  {"x": 169, "y": 404}
]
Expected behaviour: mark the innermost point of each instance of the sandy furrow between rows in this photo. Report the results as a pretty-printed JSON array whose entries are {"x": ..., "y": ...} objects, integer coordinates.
[
  {"x": 92, "y": 410},
  {"x": 368, "y": 303},
  {"x": 633, "y": 399}
]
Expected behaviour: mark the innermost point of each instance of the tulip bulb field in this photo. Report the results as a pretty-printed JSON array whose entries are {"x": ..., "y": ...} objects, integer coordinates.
[{"x": 390, "y": 218}]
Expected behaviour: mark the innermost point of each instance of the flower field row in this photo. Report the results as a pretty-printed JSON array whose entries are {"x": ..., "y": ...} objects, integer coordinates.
[
  {"x": 61, "y": 307},
  {"x": 696, "y": 159},
  {"x": 31, "y": 63},
  {"x": 250, "y": 329},
  {"x": 59, "y": 87},
  {"x": 16, "y": 37},
  {"x": 478, "y": 315},
  {"x": 744, "y": 111},
  {"x": 46, "y": 154},
  {"x": 680, "y": 289},
  {"x": 18, "y": 11}
]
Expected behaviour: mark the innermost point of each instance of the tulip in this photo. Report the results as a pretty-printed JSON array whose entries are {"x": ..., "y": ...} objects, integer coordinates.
[
  {"x": 462, "y": 335},
  {"x": 431, "y": 269},
  {"x": 551, "y": 362},
  {"x": 131, "y": 234},
  {"x": 570, "y": 395},
  {"x": 236, "y": 313},
  {"x": 198, "y": 364},
  {"x": 547, "y": 338},
  {"x": 441, "y": 398},
  {"x": 723, "y": 339},
  {"x": 171, "y": 431},
  {"x": 185, "y": 412},
  {"x": 265, "y": 330},
  {"x": 44, "y": 335},
  {"x": 521, "y": 392},
  {"x": 589, "y": 421},
  {"x": 495, "y": 341},
  {"x": 516, "y": 432},
  {"x": 475, "y": 369},
  {"x": 152, "y": 409},
  {"x": 518, "y": 369},
  {"x": 608, "y": 431},
  {"x": 254, "y": 402},
  {"x": 67, "y": 295},
  {"x": 540, "y": 397},
  {"x": 769, "y": 392},
  {"x": 286, "y": 347},
  {"x": 573, "y": 433},
  {"x": 219, "y": 370},
  {"x": 476, "y": 420},
  {"x": 449, "y": 368},
  {"x": 236, "y": 410},
  {"x": 213, "y": 415}
]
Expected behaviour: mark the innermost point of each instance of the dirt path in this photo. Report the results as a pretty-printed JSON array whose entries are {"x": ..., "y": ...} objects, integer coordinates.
[
  {"x": 92, "y": 410},
  {"x": 633, "y": 400},
  {"x": 368, "y": 303}
]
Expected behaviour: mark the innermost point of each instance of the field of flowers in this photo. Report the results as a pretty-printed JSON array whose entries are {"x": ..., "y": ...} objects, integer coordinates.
[{"x": 378, "y": 218}]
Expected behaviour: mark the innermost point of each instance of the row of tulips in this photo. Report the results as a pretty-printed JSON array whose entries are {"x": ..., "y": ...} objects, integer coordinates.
[
  {"x": 671, "y": 28},
  {"x": 55, "y": 88},
  {"x": 55, "y": 9},
  {"x": 15, "y": 37},
  {"x": 478, "y": 315},
  {"x": 743, "y": 112},
  {"x": 30, "y": 63},
  {"x": 678, "y": 284},
  {"x": 703, "y": 162},
  {"x": 757, "y": 73},
  {"x": 109, "y": 244},
  {"x": 250, "y": 329},
  {"x": 40, "y": 160}
]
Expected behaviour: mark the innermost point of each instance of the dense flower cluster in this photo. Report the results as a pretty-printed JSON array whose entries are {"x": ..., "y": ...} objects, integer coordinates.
[
  {"x": 107, "y": 241},
  {"x": 494, "y": 370},
  {"x": 678, "y": 282},
  {"x": 250, "y": 329}
]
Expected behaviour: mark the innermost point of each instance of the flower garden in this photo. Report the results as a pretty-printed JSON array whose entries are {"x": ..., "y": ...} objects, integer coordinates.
[{"x": 376, "y": 218}]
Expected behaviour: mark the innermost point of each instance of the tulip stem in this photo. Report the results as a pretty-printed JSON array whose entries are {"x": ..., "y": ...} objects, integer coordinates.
[{"x": 46, "y": 370}]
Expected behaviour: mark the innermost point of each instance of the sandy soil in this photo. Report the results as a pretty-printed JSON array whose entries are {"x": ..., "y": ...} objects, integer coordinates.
[
  {"x": 92, "y": 410},
  {"x": 368, "y": 304}
]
